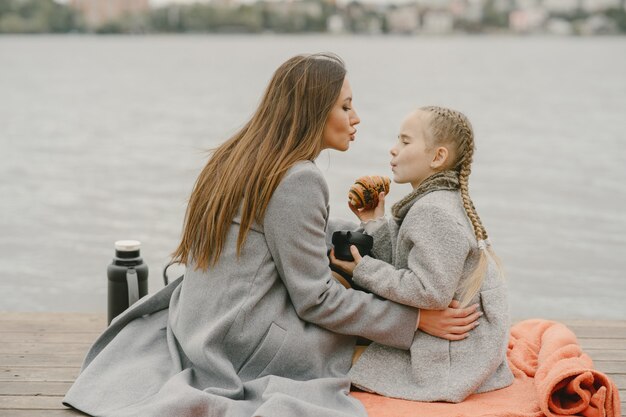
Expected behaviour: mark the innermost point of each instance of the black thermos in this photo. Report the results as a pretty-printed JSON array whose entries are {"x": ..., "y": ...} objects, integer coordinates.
[{"x": 128, "y": 277}]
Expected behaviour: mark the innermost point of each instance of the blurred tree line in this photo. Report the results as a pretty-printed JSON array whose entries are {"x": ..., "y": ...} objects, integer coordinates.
[
  {"x": 37, "y": 16},
  {"x": 306, "y": 16},
  {"x": 47, "y": 16}
]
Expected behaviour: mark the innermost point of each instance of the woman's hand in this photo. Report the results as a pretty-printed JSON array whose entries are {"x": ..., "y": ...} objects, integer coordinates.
[
  {"x": 453, "y": 323},
  {"x": 347, "y": 266},
  {"x": 366, "y": 215}
]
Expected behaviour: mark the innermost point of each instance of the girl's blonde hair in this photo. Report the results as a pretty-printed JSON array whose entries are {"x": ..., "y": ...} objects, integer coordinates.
[
  {"x": 243, "y": 172},
  {"x": 452, "y": 128}
]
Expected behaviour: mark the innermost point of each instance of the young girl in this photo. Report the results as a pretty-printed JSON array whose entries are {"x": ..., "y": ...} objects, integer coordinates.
[{"x": 434, "y": 250}]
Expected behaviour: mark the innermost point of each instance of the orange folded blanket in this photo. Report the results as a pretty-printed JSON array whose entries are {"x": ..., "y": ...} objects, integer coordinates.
[{"x": 553, "y": 378}]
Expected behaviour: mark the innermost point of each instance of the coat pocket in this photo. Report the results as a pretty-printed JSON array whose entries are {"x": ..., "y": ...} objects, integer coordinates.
[{"x": 264, "y": 353}]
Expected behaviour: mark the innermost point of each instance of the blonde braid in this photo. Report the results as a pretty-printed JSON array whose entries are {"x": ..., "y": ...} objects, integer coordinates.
[{"x": 452, "y": 127}]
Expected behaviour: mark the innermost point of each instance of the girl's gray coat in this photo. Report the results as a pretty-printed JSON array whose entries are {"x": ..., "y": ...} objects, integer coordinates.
[
  {"x": 422, "y": 263},
  {"x": 267, "y": 334}
]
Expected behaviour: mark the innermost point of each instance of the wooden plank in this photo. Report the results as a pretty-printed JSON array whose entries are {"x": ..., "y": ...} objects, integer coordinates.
[
  {"x": 620, "y": 381},
  {"x": 27, "y": 326},
  {"x": 38, "y": 337},
  {"x": 41, "y": 413},
  {"x": 51, "y": 322},
  {"x": 610, "y": 367},
  {"x": 40, "y": 356},
  {"x": 599, "y": 332},
  {"x": 52, "y": 316},
  {"x": 41, "y": 402},
  {"x": 599, "y": 343},
  {"x": 47, "y": 360},
  {"x": 607, "y": 355},
  {"x": 594, "y": 323},
  {"x": 33, "y": 388},
  {"x": 12, "y": 373},
  {"x": 44, "y": 348}
]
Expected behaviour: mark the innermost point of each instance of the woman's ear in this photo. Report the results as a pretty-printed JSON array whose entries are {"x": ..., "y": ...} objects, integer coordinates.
[{"x": 440, "y": 157}]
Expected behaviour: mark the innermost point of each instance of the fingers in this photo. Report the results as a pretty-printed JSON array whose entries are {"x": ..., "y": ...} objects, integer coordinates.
[
  {"x": 461, "y": 330},
  {"x": 380, "y": 207},
  {"x": 343, "y": 265},
  {"x": 381, "y": 200},
  {"x": 334, "y": 260},
  {"x": 463, "y": 326},
  {"x": 469, "y": 319},
  {"x": 450, "y": 336},
  {"x": 454, "y": 304},
  {"x": 464, "y": 312},
  {"x": 355, "y": 254},
  {"x": 354, "y": 210}
]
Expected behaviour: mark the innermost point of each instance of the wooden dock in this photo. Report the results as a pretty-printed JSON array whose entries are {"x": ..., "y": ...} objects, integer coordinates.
[{"x": 41, "y": 354}]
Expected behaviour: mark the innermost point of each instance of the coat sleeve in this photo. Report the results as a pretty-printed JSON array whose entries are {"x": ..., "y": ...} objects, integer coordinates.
[
  {"x": 383, "y": 242},
  {"x": 294, "y": 227},
  {"x": 438, "y": 250}
]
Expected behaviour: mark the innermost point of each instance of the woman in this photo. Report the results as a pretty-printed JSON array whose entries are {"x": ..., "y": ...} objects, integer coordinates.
[{"x": 257, "y": 326}]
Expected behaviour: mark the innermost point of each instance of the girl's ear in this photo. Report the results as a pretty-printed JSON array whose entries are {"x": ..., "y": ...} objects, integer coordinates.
[{"x": 440, "y": 157}]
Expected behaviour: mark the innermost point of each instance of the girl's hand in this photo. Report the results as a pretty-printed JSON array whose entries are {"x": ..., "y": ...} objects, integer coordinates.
[
  {"x": 347, "y": 266},
  {"x": 365, "y": 215},
  {"x": 453, "y": 323}
]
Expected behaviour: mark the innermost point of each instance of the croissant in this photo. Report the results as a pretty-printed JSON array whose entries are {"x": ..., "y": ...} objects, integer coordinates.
[{"x": 364, "y": 192}]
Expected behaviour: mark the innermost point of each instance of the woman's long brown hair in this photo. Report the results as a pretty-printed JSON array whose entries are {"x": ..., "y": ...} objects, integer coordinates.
[{"x": 287, "y": 127}]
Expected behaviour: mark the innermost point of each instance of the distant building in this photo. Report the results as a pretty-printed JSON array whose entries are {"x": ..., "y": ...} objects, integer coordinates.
[
  {"x": 561, "y": 6},
  {"x": 98, "y": 12},
  {"x": 598, "y": 25},
  {"x": 503, "y": 6},
  {"x": 434, "y": 4},
  {"x": 559, "y": 27},
  {"x": 474, "y": 12},
  {"x": 594, "y": 6},
  {"x": 524, "y": 21},
  {"x": 468, "y": 10},
  {"x": 438, "y": 22},
  {"x": 526, "y": 4},
  {"x": 403, "y": 19},
  {"x": 335, "y": 24}
]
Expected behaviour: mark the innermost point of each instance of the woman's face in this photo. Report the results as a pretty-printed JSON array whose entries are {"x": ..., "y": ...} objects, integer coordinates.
[
  {"x": 411, "y": 156},
  {"x": 339, "y": 130}
]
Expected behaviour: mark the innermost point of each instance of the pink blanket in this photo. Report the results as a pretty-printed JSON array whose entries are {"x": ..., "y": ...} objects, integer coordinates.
[{"x": 553, "y": 378}]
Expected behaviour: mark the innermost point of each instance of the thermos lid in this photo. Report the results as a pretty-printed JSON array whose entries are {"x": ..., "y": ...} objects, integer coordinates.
[{"x": 127, "y": 245}]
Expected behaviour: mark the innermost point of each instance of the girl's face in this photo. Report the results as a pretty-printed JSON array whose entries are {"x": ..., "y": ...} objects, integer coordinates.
[
  {"x": 339, "y": 130},
  {"x": 412, "y": 156}
]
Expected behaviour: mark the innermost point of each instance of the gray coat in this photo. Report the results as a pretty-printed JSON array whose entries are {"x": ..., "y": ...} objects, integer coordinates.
[
  {"x": 423, "y": 263},
  {"x": 268, "y": 334}
]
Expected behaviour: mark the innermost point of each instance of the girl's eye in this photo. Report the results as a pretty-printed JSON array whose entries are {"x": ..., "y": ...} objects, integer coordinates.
[{"x": 347, "y": 108}]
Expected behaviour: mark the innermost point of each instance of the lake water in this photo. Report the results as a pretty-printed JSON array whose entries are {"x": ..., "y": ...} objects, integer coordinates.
[{"x": 101, "y": 139}]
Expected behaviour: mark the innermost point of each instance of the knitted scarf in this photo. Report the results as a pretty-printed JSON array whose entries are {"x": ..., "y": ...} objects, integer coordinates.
[{"x": 445, "y": 180}]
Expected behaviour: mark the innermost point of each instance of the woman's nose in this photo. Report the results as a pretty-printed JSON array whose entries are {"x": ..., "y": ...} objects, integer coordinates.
[
  {"x": 355, "y": 119},
  {"x": 393, "y": 151}
]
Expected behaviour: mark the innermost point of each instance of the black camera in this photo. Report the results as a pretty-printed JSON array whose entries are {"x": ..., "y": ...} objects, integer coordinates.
[{"x": 342, "y": 241}]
